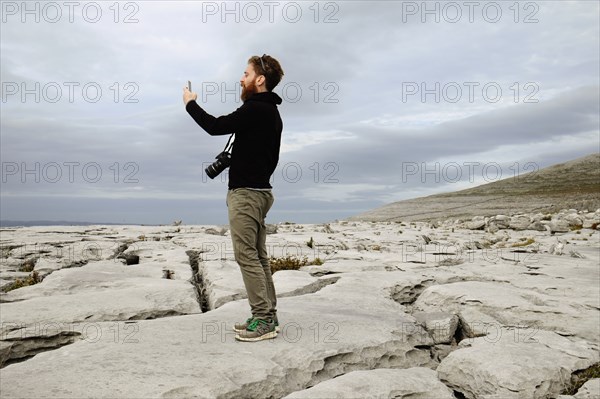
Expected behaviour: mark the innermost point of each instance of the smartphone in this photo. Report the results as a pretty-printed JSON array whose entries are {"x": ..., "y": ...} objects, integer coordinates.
[{"x": 189, "y": 85}]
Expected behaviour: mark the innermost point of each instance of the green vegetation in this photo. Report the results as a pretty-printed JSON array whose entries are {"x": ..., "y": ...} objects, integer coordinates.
[
  {"x": 292, "y": 263},
  {"x": 32, "y": 279},
  {"x": 581, "y": 377},
  {"x": 310, "y": 242},
  {"x": 524, "y": 242}
]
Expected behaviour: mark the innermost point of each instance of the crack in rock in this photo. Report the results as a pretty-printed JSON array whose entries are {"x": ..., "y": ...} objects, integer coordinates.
[
  {"x": 198, "y": 280},
  {"x": 391, "y": 354},
  {"x": 78, "y": 263},
  {"x": 18, "y": 348},
  {"x": 311, "y": 288},
  {"x": 321, "y": 273},
  {"x": 129, "y": 258},
  {"x": 408, "y": 294}
]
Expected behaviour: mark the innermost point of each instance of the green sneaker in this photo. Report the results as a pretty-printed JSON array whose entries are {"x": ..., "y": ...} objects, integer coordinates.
[
  {"x": 257, "y": 331},
  {"x": 239, "y": 327}
]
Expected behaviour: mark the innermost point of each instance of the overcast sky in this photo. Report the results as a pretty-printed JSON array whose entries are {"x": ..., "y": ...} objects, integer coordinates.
[{"x": 383, "y": 101}]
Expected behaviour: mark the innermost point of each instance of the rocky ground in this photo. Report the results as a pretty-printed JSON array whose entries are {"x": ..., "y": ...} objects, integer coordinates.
[{"x": 497, "y": 307}]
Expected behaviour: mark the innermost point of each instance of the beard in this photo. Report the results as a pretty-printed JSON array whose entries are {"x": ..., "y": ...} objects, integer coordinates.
[{"x": 248, "y": 90}]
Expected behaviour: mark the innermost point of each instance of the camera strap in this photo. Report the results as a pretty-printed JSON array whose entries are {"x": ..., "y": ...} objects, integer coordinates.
[{"x": 227, "y": 146}]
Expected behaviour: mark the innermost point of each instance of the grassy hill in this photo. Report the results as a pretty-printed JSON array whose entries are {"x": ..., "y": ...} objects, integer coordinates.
[{"x": 572, "y": 185}]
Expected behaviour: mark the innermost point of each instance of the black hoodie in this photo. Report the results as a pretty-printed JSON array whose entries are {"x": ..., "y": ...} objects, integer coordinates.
[{"x": 257, "y": 126}]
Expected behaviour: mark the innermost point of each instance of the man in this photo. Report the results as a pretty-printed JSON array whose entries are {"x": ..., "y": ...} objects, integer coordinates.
[{"x": 257, "y": 126}]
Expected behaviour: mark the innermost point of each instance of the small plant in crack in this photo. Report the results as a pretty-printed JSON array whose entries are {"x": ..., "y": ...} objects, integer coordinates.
[
  {"x": 32, "y": 279},
  {"x": 523, "y": 242},
  {"x": 292, "y": 263},
  {"x": 581, "y": 377}
]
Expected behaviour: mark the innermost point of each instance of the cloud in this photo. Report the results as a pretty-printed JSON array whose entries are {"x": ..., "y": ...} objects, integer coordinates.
[{"x": 351, "y": 125}]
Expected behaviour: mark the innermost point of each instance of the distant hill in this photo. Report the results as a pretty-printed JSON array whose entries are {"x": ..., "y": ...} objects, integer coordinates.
[{"x": 571, "y": 185}]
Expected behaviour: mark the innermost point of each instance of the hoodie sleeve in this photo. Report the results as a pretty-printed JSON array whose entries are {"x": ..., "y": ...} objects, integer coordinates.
[{"x": 222, "y": 125}]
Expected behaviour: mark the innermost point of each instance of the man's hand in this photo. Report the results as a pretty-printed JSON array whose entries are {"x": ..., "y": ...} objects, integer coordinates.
[{"x": 188, "y": 96}]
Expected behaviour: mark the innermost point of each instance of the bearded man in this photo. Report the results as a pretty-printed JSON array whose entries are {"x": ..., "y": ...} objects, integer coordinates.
[{"x": 257, "y": 126}]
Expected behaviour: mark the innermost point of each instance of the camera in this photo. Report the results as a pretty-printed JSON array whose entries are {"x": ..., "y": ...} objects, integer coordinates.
[{"x": 223, "y": 161}]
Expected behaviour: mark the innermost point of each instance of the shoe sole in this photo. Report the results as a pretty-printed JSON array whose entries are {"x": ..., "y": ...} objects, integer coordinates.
[{"x": 269, "y": 335}]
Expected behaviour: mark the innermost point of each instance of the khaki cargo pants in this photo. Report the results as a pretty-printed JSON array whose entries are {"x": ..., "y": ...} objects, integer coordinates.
[{"x": 247, "y": 212}]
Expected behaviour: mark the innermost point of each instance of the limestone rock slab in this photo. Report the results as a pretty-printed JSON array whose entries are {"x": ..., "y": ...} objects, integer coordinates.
[
  {"x": 322, "y": 336},
  {"x": 440, "y": 325},
  {"x": 589, "y": 390},
  {"x": 509, "y": 365},
  {"x": 99, "y": 291},
  {"x": 223, "y": 282},
  {"x": 413, "y": 383},
  {"x": 513, "y": 306}
]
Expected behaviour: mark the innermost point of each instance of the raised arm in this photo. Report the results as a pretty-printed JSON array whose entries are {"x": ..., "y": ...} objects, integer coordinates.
[{"x": 216, "y": 126}]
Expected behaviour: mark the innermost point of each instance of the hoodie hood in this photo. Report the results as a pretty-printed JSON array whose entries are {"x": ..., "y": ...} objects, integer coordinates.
[{"x": 266, "y": 96}]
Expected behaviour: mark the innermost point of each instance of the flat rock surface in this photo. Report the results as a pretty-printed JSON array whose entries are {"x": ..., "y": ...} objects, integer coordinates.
[
  {"x": 414, "y": 383},
  {"x": 395, "y": 310},
  {"x": 503, "y": 366}
]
